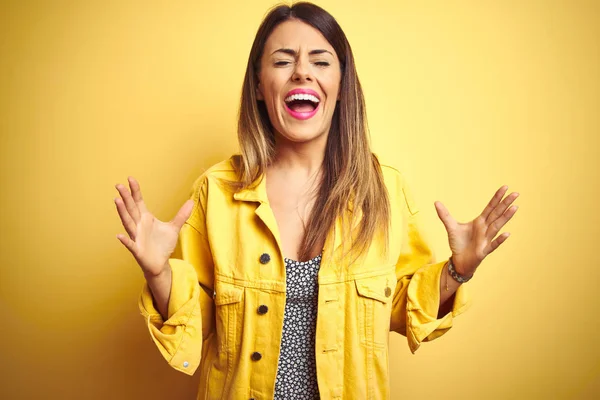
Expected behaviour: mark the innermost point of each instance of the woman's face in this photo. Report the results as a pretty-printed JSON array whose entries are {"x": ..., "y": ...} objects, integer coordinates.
[{"x": 297, "y": 57}]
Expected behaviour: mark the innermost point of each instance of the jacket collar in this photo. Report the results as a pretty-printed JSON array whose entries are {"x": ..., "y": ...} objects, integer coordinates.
[{"x": 257, "y": 191}]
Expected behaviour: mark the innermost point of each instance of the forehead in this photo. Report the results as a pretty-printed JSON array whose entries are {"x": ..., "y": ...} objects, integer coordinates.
[{"x": 297, "y": 35}]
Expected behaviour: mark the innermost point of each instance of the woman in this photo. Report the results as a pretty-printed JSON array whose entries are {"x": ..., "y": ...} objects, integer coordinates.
[{"x": 302, "y": 253}]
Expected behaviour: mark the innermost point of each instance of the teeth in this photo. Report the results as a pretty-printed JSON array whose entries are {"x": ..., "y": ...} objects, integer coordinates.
[{"x": 302, "y": 97}]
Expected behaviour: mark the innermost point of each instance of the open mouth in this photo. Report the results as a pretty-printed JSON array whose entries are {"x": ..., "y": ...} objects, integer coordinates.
[{"x": 302, "y": 105}]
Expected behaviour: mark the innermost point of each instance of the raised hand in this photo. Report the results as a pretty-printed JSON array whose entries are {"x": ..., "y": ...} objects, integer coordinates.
[
  {"x": 471, "y": 242},
  {"x": 150, "y": 240}
]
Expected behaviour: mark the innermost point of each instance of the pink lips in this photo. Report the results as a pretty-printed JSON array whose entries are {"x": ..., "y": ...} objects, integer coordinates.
[{"x": 302, "y": 115}]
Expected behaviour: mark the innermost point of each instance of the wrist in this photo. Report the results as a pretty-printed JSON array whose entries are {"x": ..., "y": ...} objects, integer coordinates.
[
  {"x": 456, "y": 275},
  {"x": 158, "y": 275},
  {"x": 464, "y": 267}
]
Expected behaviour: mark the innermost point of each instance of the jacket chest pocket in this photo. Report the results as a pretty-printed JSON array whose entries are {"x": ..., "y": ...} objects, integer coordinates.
[
  {"x": 228, "y": 314},
  {"x": 375, "y": 296}
]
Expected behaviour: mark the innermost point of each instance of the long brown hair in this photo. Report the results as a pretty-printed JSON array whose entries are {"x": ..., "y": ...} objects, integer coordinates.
[{"x": 352, "y": 176}]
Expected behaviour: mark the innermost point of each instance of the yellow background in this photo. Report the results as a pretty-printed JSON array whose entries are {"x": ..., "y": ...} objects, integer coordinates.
[{"x": 463, "y": 96}]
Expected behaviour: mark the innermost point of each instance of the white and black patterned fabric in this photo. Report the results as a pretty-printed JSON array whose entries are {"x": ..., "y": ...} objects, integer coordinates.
[{"x": 296, "y": 371}]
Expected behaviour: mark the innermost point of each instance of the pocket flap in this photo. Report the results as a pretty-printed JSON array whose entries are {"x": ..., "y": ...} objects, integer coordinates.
[
  {"x": 378, "y": 288},
  {"x": 227, "y": 293}
]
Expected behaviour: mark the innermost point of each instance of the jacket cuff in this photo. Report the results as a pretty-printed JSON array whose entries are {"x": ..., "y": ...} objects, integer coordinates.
[
  {"x": 179, "y": 338},
  {"x": 423, "y": 302}
]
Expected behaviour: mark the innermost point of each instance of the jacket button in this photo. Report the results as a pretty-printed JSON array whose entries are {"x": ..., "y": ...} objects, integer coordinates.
[
  {"x": 265, "y": 258},
  {"x": 263, "y": 309},
  {"x": 256, "y": 356},
  {"x": 388, "y": 292}
]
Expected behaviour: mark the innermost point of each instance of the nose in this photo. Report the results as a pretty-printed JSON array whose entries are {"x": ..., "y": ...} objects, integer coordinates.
[{"x": 302, "y": 71}]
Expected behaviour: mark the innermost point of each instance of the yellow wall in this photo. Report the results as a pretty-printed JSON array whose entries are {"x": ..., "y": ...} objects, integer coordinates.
[{"x": 463, "y": 96}]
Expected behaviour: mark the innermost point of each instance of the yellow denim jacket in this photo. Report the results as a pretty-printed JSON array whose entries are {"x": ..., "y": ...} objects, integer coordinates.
[{"x": 232, "y": 264}]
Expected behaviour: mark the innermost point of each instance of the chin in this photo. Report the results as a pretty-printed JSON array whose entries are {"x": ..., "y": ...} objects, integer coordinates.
[{"x": 299, "y": 136}]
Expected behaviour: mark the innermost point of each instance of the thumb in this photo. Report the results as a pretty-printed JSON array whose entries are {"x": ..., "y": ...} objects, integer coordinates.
[
  {"x": 183, "y": 214},
  {"x": 444, "y": 215}
]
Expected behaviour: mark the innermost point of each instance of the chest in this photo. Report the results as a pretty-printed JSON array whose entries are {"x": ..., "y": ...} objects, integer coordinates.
[
  {"x": 291, "y": 207},
  {"x": 292, "y": 216}
]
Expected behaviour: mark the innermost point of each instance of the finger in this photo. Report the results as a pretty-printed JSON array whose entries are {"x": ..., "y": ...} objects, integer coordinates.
[
  {"x": 183, "y": 214},
  {"x": 130, "y": 205},
  {"x": 495, "y": 226},
  {"x": 136, "y": 193},
  {"x": 494, "y": 202},
  {"x": 445, "y": 216},
  {"x": 127, "y": 242},
  {"x": 497, "y": 242},
  {"x": 502, "y": 207},
  {"x": 126, "y": 220}
]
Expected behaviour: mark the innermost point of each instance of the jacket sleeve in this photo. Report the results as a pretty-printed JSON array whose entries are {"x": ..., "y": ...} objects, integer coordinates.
[
  {"x": 417, "y": 295},
  {"x": 190, "y": 310}
]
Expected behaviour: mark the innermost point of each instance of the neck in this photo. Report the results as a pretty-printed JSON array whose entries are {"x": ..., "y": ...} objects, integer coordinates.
[{"x": 306, "y": 157}]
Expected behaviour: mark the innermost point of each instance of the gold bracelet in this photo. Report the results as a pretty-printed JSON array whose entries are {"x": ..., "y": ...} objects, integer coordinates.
[{"x": 446, "y": 277}]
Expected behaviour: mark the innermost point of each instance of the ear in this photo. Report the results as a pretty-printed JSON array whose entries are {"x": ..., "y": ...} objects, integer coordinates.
[{"x": 259, "y": 94}]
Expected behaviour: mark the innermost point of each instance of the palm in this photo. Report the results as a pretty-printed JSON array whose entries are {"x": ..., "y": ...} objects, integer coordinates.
[
  {"x": 471, "y": 242},
  {"x": 466, "y": 240},
  {"x": 150, "y": 241},
  {"x": 155, "y": 241}
]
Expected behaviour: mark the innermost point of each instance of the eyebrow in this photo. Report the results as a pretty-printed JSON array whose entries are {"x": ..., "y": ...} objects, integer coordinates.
[{"x": 293, "y": 52}]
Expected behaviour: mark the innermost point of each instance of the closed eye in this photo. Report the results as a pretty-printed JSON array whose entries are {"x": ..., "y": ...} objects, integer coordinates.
[{"x": 284, "y": 63}]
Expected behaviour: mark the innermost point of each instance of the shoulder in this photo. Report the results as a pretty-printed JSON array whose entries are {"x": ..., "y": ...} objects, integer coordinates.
[
  {"x": 392, "y": 176},
  {"x": 397, "y": 187},
  {"x": 215, "y": 177},
  {"x": 223, "y": 170}
]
